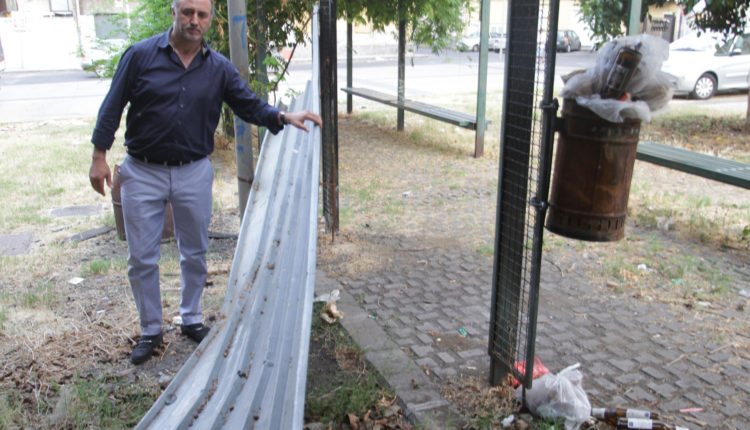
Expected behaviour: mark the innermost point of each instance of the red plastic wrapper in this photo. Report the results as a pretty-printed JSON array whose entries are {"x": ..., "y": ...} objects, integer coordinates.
[{"x": 539, "y": 370}]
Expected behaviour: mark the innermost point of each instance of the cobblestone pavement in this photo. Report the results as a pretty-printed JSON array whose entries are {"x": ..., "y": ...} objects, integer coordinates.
[
  {"x": 414, "y": 264},
  {"x": 632, "y": 353}
]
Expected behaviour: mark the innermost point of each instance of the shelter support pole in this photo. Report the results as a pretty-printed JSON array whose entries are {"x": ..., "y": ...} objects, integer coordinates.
[
  {"x": 634, "y": 20},
  {"x": 261, "y": 71},
  {"x": 349, "y": 60},
  {"x": 328, "y": 114},
  {"x": 242, "y": 131},
  {"x": 401, "y": 70},
  {"x": 482, "y": 84}
]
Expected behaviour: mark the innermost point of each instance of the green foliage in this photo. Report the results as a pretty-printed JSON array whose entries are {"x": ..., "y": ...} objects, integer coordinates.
[
  {"x": 429, "y": 22},
  {"x": 728, "y": 17},
  {"x": 608, "y": 18}
]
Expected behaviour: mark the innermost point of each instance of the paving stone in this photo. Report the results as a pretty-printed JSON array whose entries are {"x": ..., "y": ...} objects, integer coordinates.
[
  {"x": 446, "y": 357},
  {"x": 711, "y": 378},
  {"x": 654, "y": 373},
  {"x": 426, "y": 361},
  {"x": 629, "y": 379},
  {"x": 405, "y": 341},
  {"x": 713, "y": 420},
  {"x": 428, "y": 327},
  {"x": 725, "y": 390},
  {"x": 732, "y": 372},
  {"x": 638, "y": 394},
  {"x": 623, "y": 364},
  {"x": 15, "y": 244},
  {"x": 606, "y": 384},
  {"x": 664, "y": 390},
  {"x": 644, "y": 358},
  {"x": 472, "y": 353},
  {"x": 444, "y": 372},
  {"x": 720, "y": 358},
  {"x": 688, "y": 383},
  {"x": 421, "y": 350},
  {"x": 713, "y": 395},
  {"x": 744, "y": 386},
  {"x": 699, "y": 361},
  {"x": 694, "y": 397},
  {"x": 425, "y": 338},
  {"x": 599, "y": 368},
  {"x": 668, "y": 354}
]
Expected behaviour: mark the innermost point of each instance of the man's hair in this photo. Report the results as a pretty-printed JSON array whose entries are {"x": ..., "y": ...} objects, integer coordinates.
[{"x": 176, "y": 7}]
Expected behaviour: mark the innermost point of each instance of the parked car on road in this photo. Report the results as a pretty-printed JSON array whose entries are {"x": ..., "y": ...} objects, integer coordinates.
[
  {"x": 497, "y": 42},
  {"x": 699, "y": 67},
  {"x": 568, "y": 40}
]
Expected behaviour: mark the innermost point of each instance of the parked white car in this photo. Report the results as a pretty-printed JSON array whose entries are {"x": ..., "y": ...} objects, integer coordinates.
[
  {"x": 497, "y": 42},
  {"x": 701, "y": 66}
]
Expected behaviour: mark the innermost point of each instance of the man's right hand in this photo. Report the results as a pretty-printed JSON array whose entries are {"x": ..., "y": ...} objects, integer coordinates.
[{"x": 99, "y": 172}]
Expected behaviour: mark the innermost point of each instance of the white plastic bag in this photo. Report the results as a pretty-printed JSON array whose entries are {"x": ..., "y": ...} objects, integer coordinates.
[
  {"x": 559, "y": 396},
  {"x": 650, "y": 89}
]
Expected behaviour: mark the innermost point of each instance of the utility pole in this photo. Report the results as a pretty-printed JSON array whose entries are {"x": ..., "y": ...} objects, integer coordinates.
[{"x": 242, "y": 131}]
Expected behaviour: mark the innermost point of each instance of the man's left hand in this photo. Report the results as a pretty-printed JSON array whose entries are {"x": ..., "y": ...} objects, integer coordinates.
[{"x": 298, "y": 119}]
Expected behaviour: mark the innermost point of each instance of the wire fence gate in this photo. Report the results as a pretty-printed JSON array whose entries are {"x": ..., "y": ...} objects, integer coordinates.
[{"x": 527, "y": 135}]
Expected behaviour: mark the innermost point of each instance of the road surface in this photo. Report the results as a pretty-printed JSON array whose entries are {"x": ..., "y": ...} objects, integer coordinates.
[{"x": 51, "y": 95}]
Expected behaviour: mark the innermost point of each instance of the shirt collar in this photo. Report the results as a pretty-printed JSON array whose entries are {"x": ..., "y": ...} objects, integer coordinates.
[{"x": 164, "y": 42}]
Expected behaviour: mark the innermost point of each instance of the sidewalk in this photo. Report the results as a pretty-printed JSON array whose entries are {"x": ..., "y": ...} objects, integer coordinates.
[{"x": 406, "y": 313}]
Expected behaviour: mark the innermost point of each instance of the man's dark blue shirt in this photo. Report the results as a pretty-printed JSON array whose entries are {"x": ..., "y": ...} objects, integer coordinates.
[{"x": 174, "y": 110}]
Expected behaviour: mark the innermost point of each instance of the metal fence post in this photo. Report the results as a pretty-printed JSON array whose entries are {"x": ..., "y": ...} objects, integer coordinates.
[
  {"x": 401, "y": 69},
  {"x": 482, "y": 83},
  {"x": 242, "y": 131},
  {"x": 349, "y": 64},
  {"x": 634, "y": 20},
  {"x": 329, "y": 114}
]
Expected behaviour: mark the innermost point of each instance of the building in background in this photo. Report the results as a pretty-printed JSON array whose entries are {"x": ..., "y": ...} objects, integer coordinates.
[{"x": 54, "y": 34}]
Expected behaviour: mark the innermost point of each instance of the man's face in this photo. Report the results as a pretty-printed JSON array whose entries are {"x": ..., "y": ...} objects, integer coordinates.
[{"x": 192, "y": 19}]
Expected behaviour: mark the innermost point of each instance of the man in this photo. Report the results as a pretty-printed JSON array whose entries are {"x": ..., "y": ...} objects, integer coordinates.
[{"x": 175, "y": 85}]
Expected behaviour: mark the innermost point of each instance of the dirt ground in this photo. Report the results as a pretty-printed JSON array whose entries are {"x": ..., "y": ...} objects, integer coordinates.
[{"x": 390, "y": 186}]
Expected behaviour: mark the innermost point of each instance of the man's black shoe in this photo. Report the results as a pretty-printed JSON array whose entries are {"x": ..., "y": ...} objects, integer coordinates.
[
  {"x": 145, "y": 348},
  {"x": 195, "y": 332}
]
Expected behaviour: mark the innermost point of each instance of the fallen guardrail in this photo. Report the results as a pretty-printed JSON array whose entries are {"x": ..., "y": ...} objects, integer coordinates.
[{"x": 250, "y": 372}]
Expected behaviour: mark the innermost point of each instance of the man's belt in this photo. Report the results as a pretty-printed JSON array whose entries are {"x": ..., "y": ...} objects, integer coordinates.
[{"x": 167, "y": 163}]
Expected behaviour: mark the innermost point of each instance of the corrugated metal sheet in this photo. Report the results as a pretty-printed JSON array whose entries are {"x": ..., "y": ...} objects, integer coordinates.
[{"x": 250, "y": 372}]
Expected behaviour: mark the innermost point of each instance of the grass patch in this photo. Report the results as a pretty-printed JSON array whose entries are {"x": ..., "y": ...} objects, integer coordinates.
[
  {"x": 98, "y": 267},
  {"x": 348, "y": 387},
  {"x": 102, "y": 402},
  {"x": 38, "y": 296}
]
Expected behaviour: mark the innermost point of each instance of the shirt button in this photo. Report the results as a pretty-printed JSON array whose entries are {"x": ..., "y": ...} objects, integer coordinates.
[
  {"x": 183, "y": 88},
  {"x": 179, "y": 122},
  {"x": 182, "y": 105}
]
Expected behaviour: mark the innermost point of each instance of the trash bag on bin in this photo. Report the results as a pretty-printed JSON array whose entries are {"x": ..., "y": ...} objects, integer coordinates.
[
  {"x": 648, "y": 91},
  {"x": 555, "y": 396}
]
